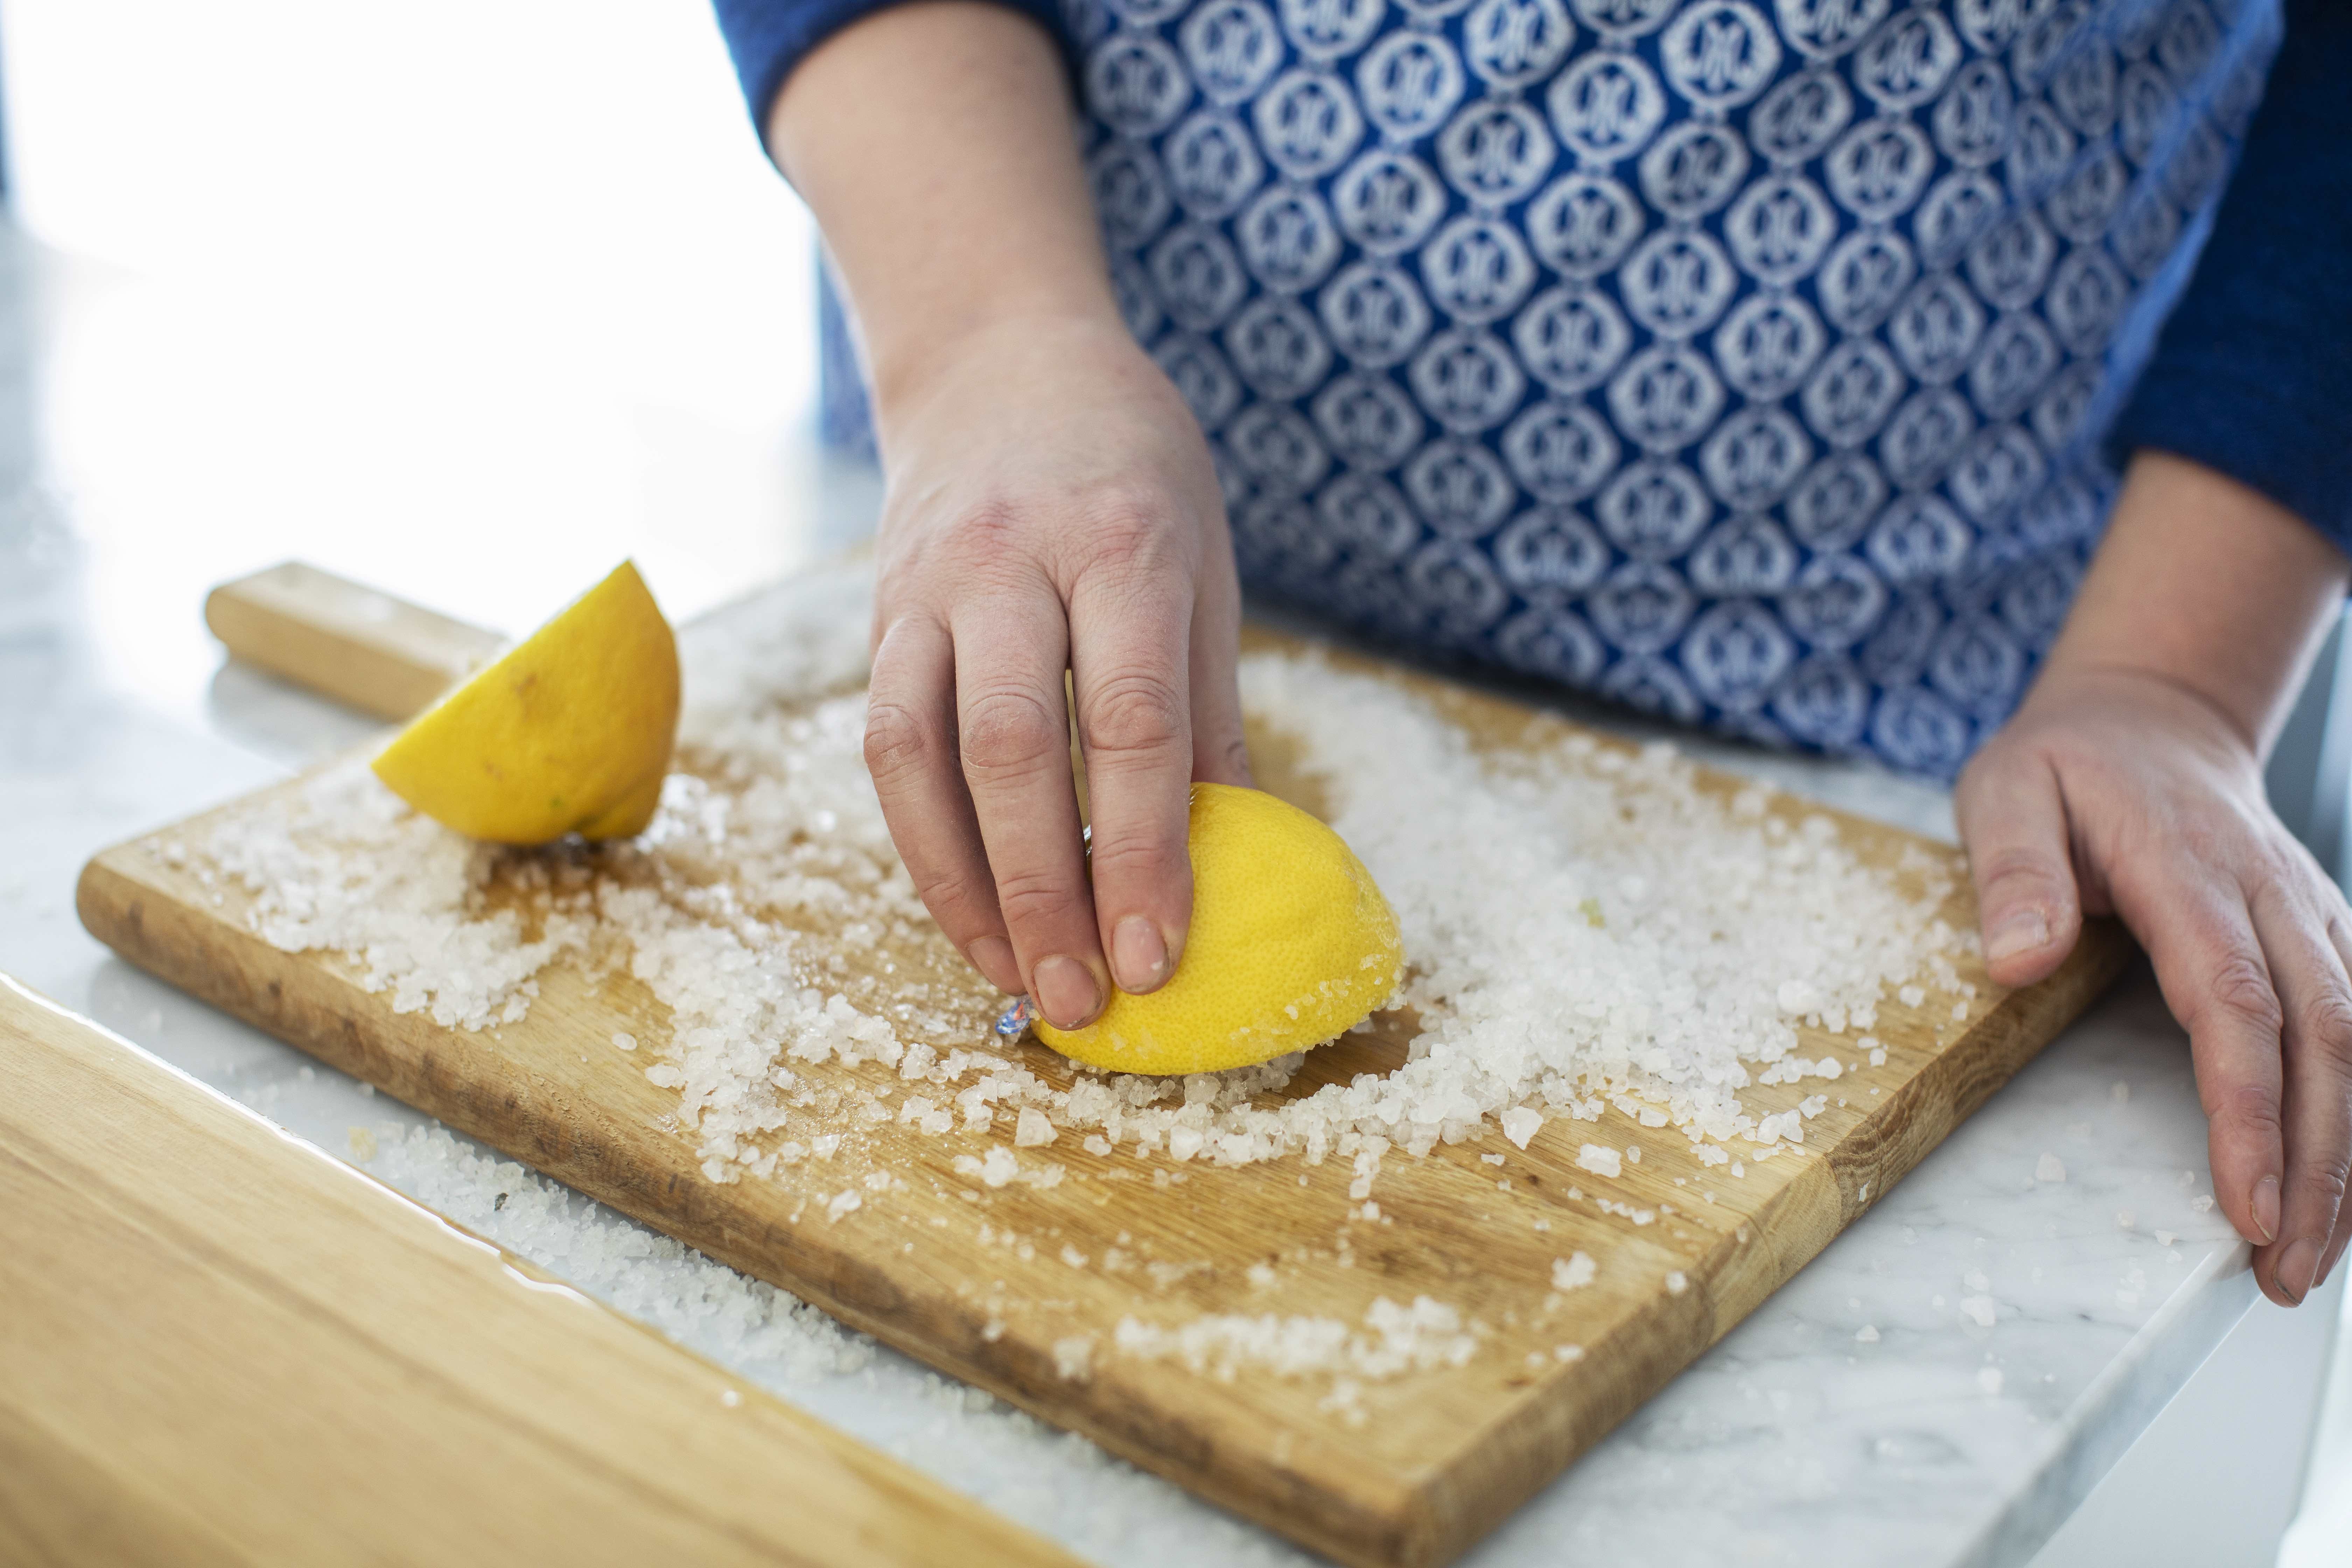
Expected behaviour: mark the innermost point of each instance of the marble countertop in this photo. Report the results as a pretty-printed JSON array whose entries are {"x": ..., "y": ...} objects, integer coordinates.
[{"x": 1939, "y": 1388}]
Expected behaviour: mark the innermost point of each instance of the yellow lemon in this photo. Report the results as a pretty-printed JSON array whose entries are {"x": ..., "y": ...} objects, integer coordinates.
[
  {"x": 1291, "y": 944},
  {"x": 570, "y": 732}
]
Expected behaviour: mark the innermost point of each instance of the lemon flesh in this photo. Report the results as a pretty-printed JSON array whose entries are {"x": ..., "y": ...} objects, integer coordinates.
[
  {"x": 1291, "y": 944},
  {"x": 569, "y": 733}
]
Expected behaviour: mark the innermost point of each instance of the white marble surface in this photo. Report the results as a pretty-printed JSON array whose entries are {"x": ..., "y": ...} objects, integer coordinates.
[{"x": 1946, "y": 1441}]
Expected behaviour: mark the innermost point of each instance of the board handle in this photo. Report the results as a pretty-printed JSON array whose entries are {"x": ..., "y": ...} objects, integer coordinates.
[{"x": 346, "y": 640}]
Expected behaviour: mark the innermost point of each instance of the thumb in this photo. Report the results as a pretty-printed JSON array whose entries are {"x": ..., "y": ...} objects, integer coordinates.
[{"x": 2013, "y": 819}]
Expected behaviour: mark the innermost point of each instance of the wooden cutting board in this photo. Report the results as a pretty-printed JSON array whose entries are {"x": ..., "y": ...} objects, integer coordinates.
[
  {"x": 981, "y": 1281},
  {"x": 221, "y": 1346}
]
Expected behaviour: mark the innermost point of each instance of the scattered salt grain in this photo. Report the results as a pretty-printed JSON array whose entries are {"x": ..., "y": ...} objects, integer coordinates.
[
  {"x": 1521, "y": 1123},
  {"x": 1601, "y": 1162},
  {"x": 843, "y": 1201},
  {"x": 1977, "y": 1310},
  {"x": 1073, "y": 1358},
  {"x": 730, "y": 1399},
  {"x": 1988, "y": 1378},
  {"x": 2048, "y": 1168},
  {"x": 2165, "y": 1238},
  {"x": 1573, "y": 1272},
  {"x": 622, "y": 1040},
  {"x": 2202, "y": 1204},
  {"x": 1867, "y": 1334},
  {"x": 1676, "y": 1282},
  {"x": 1395, "y": 1340},
  {"x": 2125, "y": 1219},
  {"x": 1568, "y": 1353},
  {"x": 1031, "y": 1129}
]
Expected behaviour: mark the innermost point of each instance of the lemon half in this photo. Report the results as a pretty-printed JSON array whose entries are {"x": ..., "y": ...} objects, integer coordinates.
[
  {"x": 1291, "y": 945},
  {"x": 569, "y": 733}
]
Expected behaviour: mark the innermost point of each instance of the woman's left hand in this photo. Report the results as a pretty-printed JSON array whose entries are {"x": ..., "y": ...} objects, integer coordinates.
[{"x": 2114, "y": 792}]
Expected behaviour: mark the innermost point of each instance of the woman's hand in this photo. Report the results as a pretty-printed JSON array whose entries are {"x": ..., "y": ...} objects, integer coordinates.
[
  {"x": 1051, "y": 505},
  {"x": 2130, "y": 781},
  {"x": 2118, "y": 793}
]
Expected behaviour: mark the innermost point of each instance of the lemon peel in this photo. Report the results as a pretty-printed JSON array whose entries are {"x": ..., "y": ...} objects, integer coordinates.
[
  {"x": 1291, "y": 944},
  {"x": 570, "y": 731}
]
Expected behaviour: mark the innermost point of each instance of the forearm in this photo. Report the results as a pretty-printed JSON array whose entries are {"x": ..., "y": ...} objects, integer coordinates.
[
  {"x": 2209, "y": 585},
  {"x": 934, "y": 143}
]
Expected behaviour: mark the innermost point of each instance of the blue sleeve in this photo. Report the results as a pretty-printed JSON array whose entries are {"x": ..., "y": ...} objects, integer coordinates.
[
  {"x": 2252, "y": 375},
  {"x": 769, "y": 37}
]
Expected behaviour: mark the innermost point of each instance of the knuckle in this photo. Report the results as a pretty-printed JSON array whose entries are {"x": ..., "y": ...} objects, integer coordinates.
[
  {"x": 1009, "y": 733},
  {"x": 2324, "y": 1021},
  {"x": 956, "y": 906},
  {"x": 2322, "y": 1173},
  {"x": 2239, "y": 992},
  {"x": 1126, "y": 535},
  {"x": 2250, "y": 1108},
  {"x": 1139, "y": 858},
  {"x": 2013, "y": 869},
  {"x": 896, "y": 741},
  {"x": 1133, "y": 713},
  {"x": 1031, "y": 898}
]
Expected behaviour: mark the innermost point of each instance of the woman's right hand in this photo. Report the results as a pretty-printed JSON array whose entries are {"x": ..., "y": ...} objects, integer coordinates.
[{"x": 1051, "y": 505}]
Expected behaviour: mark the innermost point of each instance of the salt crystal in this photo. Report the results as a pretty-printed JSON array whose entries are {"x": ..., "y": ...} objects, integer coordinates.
[
  {"x": 1601, "y": 1162},
  {"x": 1573, "y": 1272},
  {"x": 2202, "y": 1204},
  {"x": 1867, "y": 1334},
  {"x": 1073, "y": 1358},
  {"x": 1031, "y": 1129},
  {"x": 1521, "y": 1123},
  {"x": 1676, "y": 1282},
  {"x": 843, "y": 1201},
  {"x": 998, "y": 1167},
  {"x": 1979, "y": 1310},
  {"x": 2165, "y": 1238},
  {"x": 730, "y": 1399},
  {"x": 1976, "y": 1280},
  {"x": 1568, "y": 1353},
  {"x": 1490, "y": 1159},
  {"x": 2048, "y": 1168},
  {"x": 2125, "y": 1219},
  {"x": 623, "y": 1040}
]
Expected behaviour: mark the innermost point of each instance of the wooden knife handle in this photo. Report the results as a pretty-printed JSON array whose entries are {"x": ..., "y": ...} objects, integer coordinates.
[{"x": 346, "y": 640}]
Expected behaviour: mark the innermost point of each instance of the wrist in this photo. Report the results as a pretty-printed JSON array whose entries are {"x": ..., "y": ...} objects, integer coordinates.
[
  {"x": 1000, "y": 337},
  {"x": 2207, "y": 587}
]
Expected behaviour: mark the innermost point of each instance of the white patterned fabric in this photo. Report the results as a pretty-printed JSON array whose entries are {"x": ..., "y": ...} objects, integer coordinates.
[{"x": 1742, "y": 360}]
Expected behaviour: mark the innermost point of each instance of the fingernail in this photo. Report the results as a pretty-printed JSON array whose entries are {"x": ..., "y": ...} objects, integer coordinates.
[
  {"x": 1138, "y": 959},
  {"x": 1066, "y": 989},
  {"x": 2266, "y": 1192},
  {"x": 993, "y": 956},
  {"x": 2025, "y": 932},
  {"x": 2296, "y": 1268}
]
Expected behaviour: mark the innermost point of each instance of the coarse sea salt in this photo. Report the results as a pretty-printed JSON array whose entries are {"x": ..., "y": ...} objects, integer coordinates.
[{"x": 1586, "y": 926}]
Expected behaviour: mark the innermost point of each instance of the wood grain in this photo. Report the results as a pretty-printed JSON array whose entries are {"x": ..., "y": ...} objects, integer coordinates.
[
  {"x": 220, "y": 1346},
  {"x": 346, "y": 640},
  {"x": 977, "y": 1282}
]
